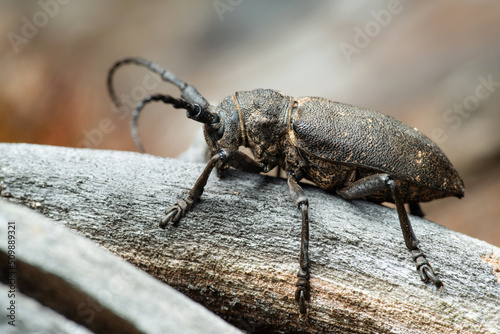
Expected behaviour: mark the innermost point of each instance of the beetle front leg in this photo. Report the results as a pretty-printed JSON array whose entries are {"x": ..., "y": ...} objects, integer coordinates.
[
  {"x": 303, "y": 292},
  {"x": 232, "y": 158},
  {"x": 380, "y": 182},
  {"x": 179, "y": 209}
]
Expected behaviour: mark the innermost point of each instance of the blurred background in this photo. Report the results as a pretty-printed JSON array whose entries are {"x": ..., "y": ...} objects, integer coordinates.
[{"x": 434, "y": 65}]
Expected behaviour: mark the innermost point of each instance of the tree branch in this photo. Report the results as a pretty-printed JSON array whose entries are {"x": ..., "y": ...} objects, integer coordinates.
[{"x": 237, "y": 251}]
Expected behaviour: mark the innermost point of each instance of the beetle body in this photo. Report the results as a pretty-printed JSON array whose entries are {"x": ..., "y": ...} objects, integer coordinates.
[
  {"x": 334, "y": 144},
  {"x": 352, "y": 151}
]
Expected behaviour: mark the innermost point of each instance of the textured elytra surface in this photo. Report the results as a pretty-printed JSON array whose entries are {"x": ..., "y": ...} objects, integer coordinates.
[
  {"x": 347, "y": 134},
  {"x": 237, "y": 252}
]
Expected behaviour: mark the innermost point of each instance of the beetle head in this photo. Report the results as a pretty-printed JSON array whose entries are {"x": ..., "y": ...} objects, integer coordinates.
[
  {"x": 227, "y": 133},
  {"x": 264, "y": 115}
]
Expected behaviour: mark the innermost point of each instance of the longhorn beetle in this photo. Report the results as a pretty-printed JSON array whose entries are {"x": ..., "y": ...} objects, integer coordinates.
[{"x": 351, "y": 151}]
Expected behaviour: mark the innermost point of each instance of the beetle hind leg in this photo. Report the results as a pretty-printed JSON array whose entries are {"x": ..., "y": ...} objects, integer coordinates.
[
  {"x": 423, "y": 266},
  {"x": 382, "y": 182},
  {"x": 303, "y": 291},
  {"x": 416, "y": 210}
]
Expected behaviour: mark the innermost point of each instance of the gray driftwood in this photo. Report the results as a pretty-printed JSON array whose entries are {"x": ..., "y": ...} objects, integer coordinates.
[
  {"x": 69, "y": 274},
  {"x": 237, "y": 251}
]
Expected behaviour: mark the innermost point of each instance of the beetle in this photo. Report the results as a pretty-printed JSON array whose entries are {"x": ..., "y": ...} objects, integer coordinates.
[{"x": 354, "y": 152}]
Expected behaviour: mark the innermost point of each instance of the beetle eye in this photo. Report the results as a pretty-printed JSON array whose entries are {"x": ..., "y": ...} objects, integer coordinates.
[{"x": 219, "y": 131}]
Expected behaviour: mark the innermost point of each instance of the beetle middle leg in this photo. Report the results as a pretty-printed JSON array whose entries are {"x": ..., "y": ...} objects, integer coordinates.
[
  {"x": 303, "y": 292},
  {"x": 380, "y": 182},
  {"x": 232, "y": 158}
]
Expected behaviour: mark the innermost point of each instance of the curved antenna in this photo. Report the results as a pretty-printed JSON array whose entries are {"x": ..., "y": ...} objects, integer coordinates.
[
  {"x": 194, "y": 111},
  {"x": 197, "y": 107},
  {"x": 188, "y": 92}
]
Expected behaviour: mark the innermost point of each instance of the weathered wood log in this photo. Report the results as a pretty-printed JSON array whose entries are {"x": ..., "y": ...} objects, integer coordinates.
[
  {"x": 237, "y": 251},
  {"x": 49, "y": 265}
]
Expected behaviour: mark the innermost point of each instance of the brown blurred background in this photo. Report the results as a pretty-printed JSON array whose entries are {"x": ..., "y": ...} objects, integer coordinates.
[{"x": 435, "y": 65}]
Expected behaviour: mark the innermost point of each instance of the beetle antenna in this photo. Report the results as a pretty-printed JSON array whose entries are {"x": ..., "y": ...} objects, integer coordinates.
[
  {"x": 194, "y": 111},
  {"x": 188, "y": 92}
]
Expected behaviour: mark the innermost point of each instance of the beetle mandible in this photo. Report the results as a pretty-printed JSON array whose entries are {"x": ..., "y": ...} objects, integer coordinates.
[{"x": 351, "y": 151}]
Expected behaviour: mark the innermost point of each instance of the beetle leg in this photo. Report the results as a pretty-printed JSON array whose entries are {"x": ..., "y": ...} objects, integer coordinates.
[
  {"x": 415, "y": 209},
  {"x": 423, "y": 266},
  {"x": 179, "y": 209},
  {"x": 241, "y": 161},
  {"x": 302, "y": 294},
  {"x": 232, "y": 158},
  {"x": 379, "y": 182}
]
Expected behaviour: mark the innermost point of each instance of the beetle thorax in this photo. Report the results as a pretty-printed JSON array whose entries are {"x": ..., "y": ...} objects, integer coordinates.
[{"x": 263, "y": 120}]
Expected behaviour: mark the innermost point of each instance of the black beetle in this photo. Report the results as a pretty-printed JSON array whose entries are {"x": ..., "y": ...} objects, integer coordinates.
[{"x": 355, "y": 152}]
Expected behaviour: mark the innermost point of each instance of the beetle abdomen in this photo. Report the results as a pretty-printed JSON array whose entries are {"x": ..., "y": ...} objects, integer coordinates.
[{"x": 356, "y": 136}]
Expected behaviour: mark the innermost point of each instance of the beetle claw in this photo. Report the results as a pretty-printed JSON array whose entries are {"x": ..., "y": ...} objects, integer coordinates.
[
  {"x": 177, "y": 211},
  {"x": 424, "y": 269},
  {"x": 174, "y": 214},
  {"x": 427, "y": 274},
  {"x": 301, "y": 296}
]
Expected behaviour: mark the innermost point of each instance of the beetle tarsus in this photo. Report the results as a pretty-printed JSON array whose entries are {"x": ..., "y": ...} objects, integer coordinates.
[
  {"x": 177, "y": 211},
  {"x": 172, "y": 214},
  {"x": 303, "y": 291},
  {"x": 424, "y": 268},
  {"x": 301, "y": 296}
]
